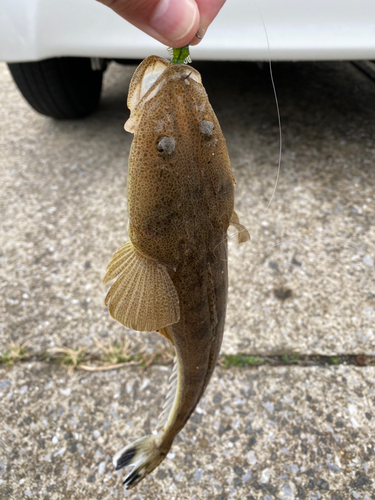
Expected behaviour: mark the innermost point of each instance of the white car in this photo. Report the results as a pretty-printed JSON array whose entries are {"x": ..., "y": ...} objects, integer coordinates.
[{"x": 57, "y": 50}]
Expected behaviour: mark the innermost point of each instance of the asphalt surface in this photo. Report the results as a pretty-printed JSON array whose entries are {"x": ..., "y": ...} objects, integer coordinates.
[{"x": 303, "y": 285}]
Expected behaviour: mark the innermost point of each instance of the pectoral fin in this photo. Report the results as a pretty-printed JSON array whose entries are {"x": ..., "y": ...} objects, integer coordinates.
[
  {"x": 143, "y": 297},
  {"x": 243, "y": 233}
]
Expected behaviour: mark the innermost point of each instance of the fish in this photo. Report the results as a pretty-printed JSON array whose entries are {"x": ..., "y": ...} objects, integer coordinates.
[{"x": 172, "y": 276}]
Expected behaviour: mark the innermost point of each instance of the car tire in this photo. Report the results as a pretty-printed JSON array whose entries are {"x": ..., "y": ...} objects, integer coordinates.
[{"x": 62, "y": 87}]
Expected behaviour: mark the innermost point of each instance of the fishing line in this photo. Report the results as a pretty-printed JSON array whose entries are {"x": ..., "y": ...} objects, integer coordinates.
[
  {"x": 259, "y": 219},
  {"x": 277, "y": 109},
  {"x": 345, "y": 242}
]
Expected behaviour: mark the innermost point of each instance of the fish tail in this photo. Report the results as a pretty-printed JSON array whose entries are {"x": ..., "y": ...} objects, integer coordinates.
[
  {"x": 144, "y": 455},
  {"x": 148, "y": 452}
]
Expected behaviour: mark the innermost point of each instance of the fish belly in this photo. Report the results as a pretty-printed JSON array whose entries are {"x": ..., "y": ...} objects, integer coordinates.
[{"x": 198, "y": 335}]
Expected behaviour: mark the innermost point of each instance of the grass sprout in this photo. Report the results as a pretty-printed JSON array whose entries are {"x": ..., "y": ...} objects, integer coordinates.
[
  {"x": 241, "y": 360},
  {"x": 15, "y": 352},
  {"x": 116, "y": 355},
  {"x": 69, "y": 358},
  {"x": 334, "y": 360}
]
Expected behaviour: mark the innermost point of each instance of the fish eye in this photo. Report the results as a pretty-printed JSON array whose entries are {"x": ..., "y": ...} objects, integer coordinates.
[
  {"x": 207, "y": 127},
  {"x": 165, "y": 144}
]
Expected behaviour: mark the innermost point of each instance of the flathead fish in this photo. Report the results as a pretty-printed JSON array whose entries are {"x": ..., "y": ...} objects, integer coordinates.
[{"x": 172, "y": 275}]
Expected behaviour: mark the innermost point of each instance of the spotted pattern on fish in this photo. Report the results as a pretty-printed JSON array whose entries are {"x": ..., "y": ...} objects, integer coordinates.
[{"x": 172, "y": 276}]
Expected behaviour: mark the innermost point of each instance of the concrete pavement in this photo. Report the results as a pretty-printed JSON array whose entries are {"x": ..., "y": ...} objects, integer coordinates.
[
  {"x": 264, "y": 433},
  {"x": 303, "y": 284},
  {"x": 308, "y": 274}
]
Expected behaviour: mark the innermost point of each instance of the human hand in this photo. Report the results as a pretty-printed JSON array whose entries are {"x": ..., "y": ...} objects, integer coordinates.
[{"x": 173, "y": 22}]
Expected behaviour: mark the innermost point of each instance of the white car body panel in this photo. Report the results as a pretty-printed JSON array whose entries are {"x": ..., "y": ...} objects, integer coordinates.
[{"x": 31, "y": 30}]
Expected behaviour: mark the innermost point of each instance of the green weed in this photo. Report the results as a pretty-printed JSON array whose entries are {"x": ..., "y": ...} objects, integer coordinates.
[
  {"x": 241, "y": 360},
  {"x": 290, "y": 358},
  {"x": 15, "y": 352},
  {"x": 334, "y": 361}
]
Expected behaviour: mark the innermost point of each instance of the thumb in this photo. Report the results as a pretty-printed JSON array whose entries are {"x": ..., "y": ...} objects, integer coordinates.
[{"x": 172, "y": 22}]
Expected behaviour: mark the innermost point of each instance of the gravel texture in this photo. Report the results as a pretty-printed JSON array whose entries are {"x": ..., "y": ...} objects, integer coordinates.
[
  {"x": 304, "y": 283},
  {"x": 306, "y": 279},
  {"x": 289, "y": 433}
]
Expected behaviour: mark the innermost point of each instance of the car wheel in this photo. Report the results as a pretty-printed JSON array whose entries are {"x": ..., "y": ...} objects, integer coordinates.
[{"x": 62, "y": 87}]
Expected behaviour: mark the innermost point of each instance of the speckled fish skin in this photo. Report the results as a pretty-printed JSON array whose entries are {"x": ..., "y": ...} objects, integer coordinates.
[{"x": 180, "y": 203}]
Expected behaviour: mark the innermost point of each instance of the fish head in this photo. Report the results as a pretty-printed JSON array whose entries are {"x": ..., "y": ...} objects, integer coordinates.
[
  {"x": 178, "y": 163},
  {"x": 172, "y": 119}
]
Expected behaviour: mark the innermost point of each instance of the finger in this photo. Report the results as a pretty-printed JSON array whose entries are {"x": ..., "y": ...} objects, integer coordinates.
[
  {"x": 208, "y": 10},
  {"x": 172, "y": 22}
]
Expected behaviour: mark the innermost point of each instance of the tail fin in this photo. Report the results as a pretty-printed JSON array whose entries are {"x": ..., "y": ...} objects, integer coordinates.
[{"x": 143, "y": 454}]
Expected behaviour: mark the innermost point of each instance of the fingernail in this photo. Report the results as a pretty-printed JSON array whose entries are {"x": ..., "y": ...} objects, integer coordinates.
[
  {"x": 174, "y": 19},
  {"x": 200, "y": 32}
]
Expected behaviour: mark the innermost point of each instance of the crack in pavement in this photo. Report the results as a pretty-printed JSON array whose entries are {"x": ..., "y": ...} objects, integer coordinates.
[{"x": 92, "y": 362}]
